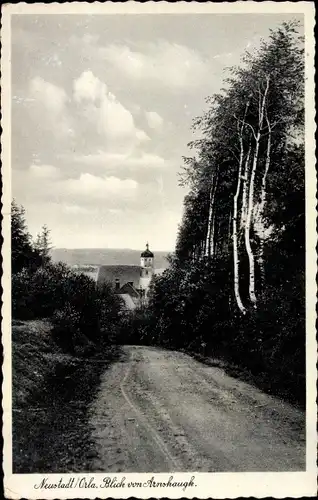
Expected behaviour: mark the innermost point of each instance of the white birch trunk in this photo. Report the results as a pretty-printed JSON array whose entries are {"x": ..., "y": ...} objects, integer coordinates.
[
  {"x": 245, "y": 189},
  {"x": 247, "y": 231},
  {"x": 229, "y": 232},
  {"x": 262, "y": 206},
  {"x": 208, "y": 238},
  {"x": 212, "y": 243},
  {"x": 249, "y": 250},
  {"x": 236, "y": 260},
  {"x": 205, "y": 243},
  {"x": 211, "y": 221}
]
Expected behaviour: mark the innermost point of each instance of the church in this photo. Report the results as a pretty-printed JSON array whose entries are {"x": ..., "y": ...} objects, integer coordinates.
[{"x": 129, "y": 281}]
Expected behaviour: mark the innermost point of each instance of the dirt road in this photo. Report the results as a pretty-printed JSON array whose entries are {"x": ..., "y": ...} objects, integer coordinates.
[{"x": 163, "y": 411}]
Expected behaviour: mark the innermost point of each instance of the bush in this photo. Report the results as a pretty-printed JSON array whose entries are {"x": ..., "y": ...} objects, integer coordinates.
[
  {"x": 37, "y": 294},
  {"x": 66, "y": 323},
  {"x": 109, "y": 308},
  {"x": 68, "y": 331},
  {"x": 136, "y": 327},
  {"x": 21, "y": 296},
  {"x": 83, "y": 314}
]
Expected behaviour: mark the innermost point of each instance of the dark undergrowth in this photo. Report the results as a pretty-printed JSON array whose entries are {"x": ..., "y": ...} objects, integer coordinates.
[
  {"x": 263, "y": 380},
  {"x": 51, "y": 432},
  {"x": 276, "y": 369}
]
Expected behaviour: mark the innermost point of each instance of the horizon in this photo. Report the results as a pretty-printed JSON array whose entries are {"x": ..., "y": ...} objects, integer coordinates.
[
  {"x": 115, "y": 249},
  {"x": 109, "y": 248},
  {"x": 107, "y": 256}
]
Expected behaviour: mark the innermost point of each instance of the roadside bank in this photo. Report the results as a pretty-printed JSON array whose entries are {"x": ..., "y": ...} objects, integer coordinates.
[{"x": 51, "y": 393}]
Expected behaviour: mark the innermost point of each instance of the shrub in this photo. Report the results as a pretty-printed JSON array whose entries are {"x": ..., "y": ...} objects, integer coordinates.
[
  {"x": 21, "y": 296},
  {"x": 82, "y": 313},
  {"x": 68, "y": 331},
  {"x": 66, "y": 323}
]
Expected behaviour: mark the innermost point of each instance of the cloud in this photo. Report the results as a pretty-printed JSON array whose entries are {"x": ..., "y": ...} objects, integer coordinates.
[
  {"x": 52, "y": 60},
  {"x": 115, "y": 211},
  {"x": 44, "y": 171},
  {"x": 77, "y": 210},
  {"x": 102, "y": 109},
  {"x": 99, "y": 188},
  {"x": 221, "y": 56},
  {"x": 52, "y": 97},
  {"x": 47, "y": 103},
  {"x": 86, "y": 190},
  {"x": 161, "y": 62},
  {"x": 121, "y": 161},
  {"x": 155, "y": 121},
  {"x": 87, "y": 86}
]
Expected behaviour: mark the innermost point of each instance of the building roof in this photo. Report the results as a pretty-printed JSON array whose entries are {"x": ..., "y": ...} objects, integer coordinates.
[
  {"x": 147, "y": 252},
  {"x": 129, "y": 289},
  {"x": 124, "y": 274},
  {"x": 128, "y": 300}
]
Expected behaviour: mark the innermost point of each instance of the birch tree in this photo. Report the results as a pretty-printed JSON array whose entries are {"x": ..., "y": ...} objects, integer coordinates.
[{"x": 236, "y": 259}]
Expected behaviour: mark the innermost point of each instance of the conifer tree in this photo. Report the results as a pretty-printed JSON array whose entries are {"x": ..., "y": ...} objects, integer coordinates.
[
  {"x": 23, "y": 254},
  {"x": 43, "y": 245}
]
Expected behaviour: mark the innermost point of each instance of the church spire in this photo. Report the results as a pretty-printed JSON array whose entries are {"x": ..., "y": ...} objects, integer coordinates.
[{"x": 147, "y": 252}]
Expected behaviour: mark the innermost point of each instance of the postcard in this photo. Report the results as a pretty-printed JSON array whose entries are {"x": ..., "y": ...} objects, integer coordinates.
[{"x": 159, "y": 262}]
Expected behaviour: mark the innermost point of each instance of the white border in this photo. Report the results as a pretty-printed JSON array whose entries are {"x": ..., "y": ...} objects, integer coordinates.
[{"x": 215, "y": 485}]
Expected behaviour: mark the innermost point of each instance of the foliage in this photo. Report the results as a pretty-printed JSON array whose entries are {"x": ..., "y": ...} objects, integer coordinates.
[
  {"x": 82, "y": 313},
  {"x": 67, "y": 331},
  {"x": 43, "y": 245},
  {"x": 23, "y": 253},
  {"x": 136, "y": 327},
  {"x": 235, "y": 285}
]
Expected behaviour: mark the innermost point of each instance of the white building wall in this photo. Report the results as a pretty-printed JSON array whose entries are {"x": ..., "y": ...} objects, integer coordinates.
[
  {"x": 145, "y": 282},
  {"x": 147, "y": 271},
  {"x": 146, "y": 262}
]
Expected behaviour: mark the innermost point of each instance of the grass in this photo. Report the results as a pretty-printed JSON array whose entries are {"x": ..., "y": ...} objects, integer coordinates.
[
  {"x": 35, "y": 356},
  {"x": 51, "y": 394}
]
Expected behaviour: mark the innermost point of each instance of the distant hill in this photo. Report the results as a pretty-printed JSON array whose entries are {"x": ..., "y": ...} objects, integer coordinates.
[{"x": 105, "y": 257}]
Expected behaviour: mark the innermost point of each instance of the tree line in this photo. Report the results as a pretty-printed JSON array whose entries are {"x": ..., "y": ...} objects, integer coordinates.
[
  {"x": 235, "y": 285},
  {"x": 84, "y": 317}
]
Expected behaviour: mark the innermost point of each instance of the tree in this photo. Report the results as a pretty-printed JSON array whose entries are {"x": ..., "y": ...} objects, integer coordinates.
[
  {"x": 23, "y": 255},
  {"x": 243, "y": 225},
  {"x": 43, "y": 245}
]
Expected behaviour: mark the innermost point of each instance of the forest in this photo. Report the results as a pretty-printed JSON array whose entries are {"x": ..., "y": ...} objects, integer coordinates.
[{"x": 235, "y": 287}]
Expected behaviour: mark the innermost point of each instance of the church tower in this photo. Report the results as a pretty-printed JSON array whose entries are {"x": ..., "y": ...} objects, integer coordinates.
[{"x": 146, "y": 268}]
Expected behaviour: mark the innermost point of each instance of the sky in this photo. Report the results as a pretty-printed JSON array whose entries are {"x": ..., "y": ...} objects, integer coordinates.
[{"x": 102, "y": 108}]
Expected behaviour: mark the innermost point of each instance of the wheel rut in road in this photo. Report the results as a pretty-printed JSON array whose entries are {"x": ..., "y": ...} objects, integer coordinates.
[{"x": 160, "y": 445}]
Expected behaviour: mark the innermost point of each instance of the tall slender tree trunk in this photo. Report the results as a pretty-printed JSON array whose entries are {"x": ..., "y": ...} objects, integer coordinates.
[
  {"x": 208, "y": 238},
  {"x": 212, "y": 231},
  {"x": 262, "y": 207},
  {"x": 205, "y": 240},
  {"x": 251, "y": 258},
  {"x": 248, "y": 224},
  {"x": 211, "y": 219},
  {"x": 202, "y": 245},
  {"x": 229, "y": 232},
  {"x": 212, "y": 243},
  {"x": 245, "y": 188},
  {"x": 236, "y": 259},
  {"x": 236, "y": 253}
]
